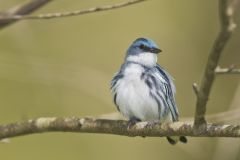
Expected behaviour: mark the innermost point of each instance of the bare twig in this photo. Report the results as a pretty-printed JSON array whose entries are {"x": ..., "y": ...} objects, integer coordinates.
[
  {"x": 195, "y": 88},
  {"x": 117, "y": 127},
  {"x": 226, "y": 11},
  {"x": 229, "y": 70},
  {"x": 74, "y": 13},
  {"x": 23, "y": 9}
]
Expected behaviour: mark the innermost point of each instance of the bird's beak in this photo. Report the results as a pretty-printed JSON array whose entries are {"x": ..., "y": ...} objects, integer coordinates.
[{"x": 156, "y": 50}]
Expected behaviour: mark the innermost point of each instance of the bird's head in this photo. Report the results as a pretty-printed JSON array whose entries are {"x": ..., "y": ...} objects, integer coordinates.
[{"x": 143, "y": 51}]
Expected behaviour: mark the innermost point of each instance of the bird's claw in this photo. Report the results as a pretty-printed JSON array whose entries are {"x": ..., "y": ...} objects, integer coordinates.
[
  {"x": 132, "y": 122},
  {"x": 151, "y": 124}
]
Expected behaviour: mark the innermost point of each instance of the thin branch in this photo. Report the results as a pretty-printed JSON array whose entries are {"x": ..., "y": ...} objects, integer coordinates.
[
  {"x": 226, "y": 11},
  {"x": 76, "y": 12},
  {"x": 195, "y": 89},
  {"x": 116, "y": 127},
  {"x": 229, "y": 70},
  {"x": 23, "y": 9}
]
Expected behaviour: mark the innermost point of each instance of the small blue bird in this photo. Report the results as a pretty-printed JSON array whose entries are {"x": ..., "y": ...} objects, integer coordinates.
[{"x": 143, "y": 90}]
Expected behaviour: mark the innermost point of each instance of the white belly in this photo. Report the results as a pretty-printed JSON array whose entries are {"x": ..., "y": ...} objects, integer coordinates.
[{"x": 133, "y": 98}]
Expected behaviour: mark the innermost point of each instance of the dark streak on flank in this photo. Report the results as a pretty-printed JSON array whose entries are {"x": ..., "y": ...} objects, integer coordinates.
[
  {"x": 154, "y": 81},
  {"x": 115, "y": 101},
  {"x": 115, "y": 79},
  {"x": 149, "y": 84},
  {"x": 142, "y": 76}
]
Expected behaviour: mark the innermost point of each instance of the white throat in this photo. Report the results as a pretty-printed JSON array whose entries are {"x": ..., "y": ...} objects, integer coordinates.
[{"x": 145, "y": 58}]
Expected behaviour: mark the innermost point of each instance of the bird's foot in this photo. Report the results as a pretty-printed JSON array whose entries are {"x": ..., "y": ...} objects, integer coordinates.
[
  {"x": 132, "y": 122},
  {"x": 151, "y": 124}
]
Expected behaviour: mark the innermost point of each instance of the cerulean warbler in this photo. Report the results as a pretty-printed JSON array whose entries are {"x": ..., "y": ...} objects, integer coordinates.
[{"x": 143, "y": 90}]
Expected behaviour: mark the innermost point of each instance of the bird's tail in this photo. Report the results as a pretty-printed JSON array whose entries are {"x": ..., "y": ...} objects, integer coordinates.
[{"x": 174, "y": 140}]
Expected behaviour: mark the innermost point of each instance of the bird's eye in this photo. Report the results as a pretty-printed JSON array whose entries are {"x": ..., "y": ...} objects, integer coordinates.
[{"x": 142, "y": 46}]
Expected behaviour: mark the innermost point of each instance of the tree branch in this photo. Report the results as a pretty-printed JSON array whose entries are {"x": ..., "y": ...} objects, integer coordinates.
[
  {"x": 23, "y": 9},
  {"x": 117, "y": 127},
  {"x": 229, "y": 70},
  {"x": 195, "y": 88},
  {"x": 73, "y": 13},
  {"x": 226, "y": 11}
]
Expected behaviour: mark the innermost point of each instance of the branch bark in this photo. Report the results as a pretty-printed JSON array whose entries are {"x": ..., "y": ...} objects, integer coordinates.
[
  {"x": 117, "y": 127},
  {"x": 226, "y": 11},
  {"x": 23, "y": 9}
]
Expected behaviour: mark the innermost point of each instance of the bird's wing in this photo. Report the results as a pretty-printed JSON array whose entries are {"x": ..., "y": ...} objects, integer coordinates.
[
  {"x": 115, "y": 79},
  {"x": 114, "y": 82},
  {"x": 167, "y": 87},
  {"x": 119, "y": 75}
]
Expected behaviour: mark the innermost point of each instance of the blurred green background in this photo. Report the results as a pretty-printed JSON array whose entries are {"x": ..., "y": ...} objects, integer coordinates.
[{"x": 63, "y": 67}]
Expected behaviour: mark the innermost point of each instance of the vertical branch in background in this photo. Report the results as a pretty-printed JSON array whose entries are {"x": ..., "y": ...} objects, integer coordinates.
[
  {"x": 23, "y": 9},
  {"x": 226, "y": 11}
]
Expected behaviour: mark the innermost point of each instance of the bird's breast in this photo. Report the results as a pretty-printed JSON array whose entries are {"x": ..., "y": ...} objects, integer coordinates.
[{"x": 133, "y": 96}]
